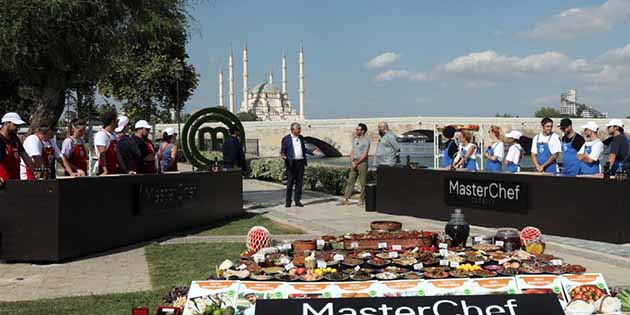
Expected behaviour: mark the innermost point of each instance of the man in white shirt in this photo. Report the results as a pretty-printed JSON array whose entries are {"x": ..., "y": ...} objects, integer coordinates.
[
  {"x": 591, "y": 151},
  {"x": 546, "y": 148},
  {"x": 105, "y": 146},
  {"x": 293, "y": 151},
  {"x": 43, "y": 150}
]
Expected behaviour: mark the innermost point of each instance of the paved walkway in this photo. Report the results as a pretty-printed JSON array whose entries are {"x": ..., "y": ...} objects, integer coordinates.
[{"x": 124, "y": 271}]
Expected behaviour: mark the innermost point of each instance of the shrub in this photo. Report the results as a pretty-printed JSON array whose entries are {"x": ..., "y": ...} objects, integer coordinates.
[
  {"x": 328, "y": 179},
  {"x": 267, "y": 169}
]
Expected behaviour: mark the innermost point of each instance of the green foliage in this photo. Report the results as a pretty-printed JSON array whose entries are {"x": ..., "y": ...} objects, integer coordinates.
[
  {"x": 267, "y": 169},
  {"x": 547, "y": 112},
  {"x": 247, "y": 116},
  {"x": 328, "y": 179},
  {"x": 50, "y": 50}
]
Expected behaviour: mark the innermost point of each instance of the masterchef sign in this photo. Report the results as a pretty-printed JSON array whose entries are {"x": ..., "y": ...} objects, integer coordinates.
[
  {"x": 485, "y": 194},
  {"x": 429, "y": 305}
]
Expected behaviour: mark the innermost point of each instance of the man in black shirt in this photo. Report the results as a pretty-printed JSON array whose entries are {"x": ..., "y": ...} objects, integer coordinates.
[
  {"x": 233, "y": 153},
  {"x": 619, "y": 149},
  {"x": 145, "y": 158},
  {"x": 571, "y": 144}
]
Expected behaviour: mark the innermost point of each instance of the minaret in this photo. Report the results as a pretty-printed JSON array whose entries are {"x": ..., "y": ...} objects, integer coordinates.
[
  {"x": 231, "y": 80},
  {"x": 301, "y": 74},
  {"x": 284, "y": 73},
  {"x": 244, "y": 105},
  {"x": 270, "y": 77},
  {"x": 221, "y": 102}
]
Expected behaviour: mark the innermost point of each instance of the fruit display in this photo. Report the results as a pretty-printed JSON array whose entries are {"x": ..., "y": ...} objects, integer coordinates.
[{"x": 258, "y": 237}]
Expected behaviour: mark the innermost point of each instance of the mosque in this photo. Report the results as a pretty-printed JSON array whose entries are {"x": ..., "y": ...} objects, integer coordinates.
[{"x": 267, "y": 101}]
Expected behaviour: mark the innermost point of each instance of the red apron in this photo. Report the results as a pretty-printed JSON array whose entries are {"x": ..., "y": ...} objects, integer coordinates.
[
  {"x": 48, "y": 158},
  {"x": 150, "y": 165},
  {"x": 10, "y": 165},
  {"x": 112, "y": 159},
  {"x": 78, "y": 156}
]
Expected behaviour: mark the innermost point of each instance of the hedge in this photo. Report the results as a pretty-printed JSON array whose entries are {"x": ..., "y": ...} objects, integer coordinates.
[{"x": 328, "y": 179}]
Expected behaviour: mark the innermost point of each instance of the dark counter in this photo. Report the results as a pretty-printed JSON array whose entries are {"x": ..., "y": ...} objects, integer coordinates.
[
  {"x": 585, "y": 208},
  {"x": 53, "y": 220}
]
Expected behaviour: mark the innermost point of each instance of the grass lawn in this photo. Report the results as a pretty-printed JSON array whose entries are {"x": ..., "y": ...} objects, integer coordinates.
[
  {"x": 241, "y": 226},
  {"x": 169, "y": 265}
]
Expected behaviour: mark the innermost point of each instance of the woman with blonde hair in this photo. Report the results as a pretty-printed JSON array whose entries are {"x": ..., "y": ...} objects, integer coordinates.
[
  {"x": 494, "y": 152},
  {"x": 467, "y": 152}
]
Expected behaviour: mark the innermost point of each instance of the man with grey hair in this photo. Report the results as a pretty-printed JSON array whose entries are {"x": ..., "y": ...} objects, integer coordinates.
[
  {"x": 293, "y": 151},
  {"x": 387, "y": 149}
]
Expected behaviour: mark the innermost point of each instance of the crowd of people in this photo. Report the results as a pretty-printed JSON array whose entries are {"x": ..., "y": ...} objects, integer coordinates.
[
  {"x": 581, "y": 154},
  {"x": 119, "y": 147}
]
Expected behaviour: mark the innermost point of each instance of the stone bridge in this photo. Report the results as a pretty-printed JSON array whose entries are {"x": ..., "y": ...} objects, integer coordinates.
[{"x": 338, "y": 133}]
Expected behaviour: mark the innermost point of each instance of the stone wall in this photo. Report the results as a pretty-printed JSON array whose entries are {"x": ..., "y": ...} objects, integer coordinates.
[{"x": 339, "y": 132}]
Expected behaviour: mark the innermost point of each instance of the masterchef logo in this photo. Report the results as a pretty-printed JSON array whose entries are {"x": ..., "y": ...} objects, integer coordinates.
[
  {"x": 485, "y": 194},
  {"x": 546, "y": 304}
]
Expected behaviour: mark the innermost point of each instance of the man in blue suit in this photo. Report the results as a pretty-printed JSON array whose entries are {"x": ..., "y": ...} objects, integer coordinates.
[
  {"x": 233, "y": 153},
  {"x": 293, "y": 151}
]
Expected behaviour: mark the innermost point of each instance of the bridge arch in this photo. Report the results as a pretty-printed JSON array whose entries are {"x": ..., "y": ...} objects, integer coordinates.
[
  {"x": 326, "y": 148},
  {"x": 417, "y": 135}
]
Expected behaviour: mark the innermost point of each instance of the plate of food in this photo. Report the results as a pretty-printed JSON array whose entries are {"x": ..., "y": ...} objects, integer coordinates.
[
  {"x": 484, "y": 273},
  {"x": 436, "y": 274},
  {"x": 492, "y": 267},
  {"x": 352, "y": 261},
  {"x": 412, "y": 275},
  {"x": 405, "y": 261},
  {"x": 573, "y": 269},
  {"x": 587, "y": 292},
  {"x": 458, "y": 273},
  {"x": 285, "y": 277},
  {"x": 554, "y": 270},
  {"x": 487, "y": 247},
  {"x": 260, "y": 276},
  {"x": 387, "y": 275},
  {"x": 386, "y": 255},
  {"x": 395, "y": 269},
  {"x": 336, "y": 276},
  {"x": 531, "y": 268},
  {"x": 361, "y": 276},
  {"x": 379, "y": 262},
  {"x": 507, "y": 271},
  {"x": 311, "y": 277}
]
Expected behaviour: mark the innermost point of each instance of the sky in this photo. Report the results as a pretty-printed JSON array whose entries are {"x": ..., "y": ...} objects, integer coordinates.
[{"x": 392, "y": 58}]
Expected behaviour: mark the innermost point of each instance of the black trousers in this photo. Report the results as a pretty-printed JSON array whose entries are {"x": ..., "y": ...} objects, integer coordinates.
[{"x": 295, "y": 177}]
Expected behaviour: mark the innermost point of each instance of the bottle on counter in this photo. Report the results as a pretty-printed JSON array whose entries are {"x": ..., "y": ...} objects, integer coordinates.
[
  {"x": 215, "y": 165},
  {"x": 457, "y": 228},
  {"x": 508, "y": 238},
  {"x": 607, "y": 170},
  {"x": 310, "y": 262}
]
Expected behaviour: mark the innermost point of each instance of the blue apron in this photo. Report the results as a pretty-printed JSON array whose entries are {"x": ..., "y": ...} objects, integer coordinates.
[
  {"x": 470, "y": 163},
  {"x": 544, "y": 153},
  {"x": 617, "y": 166},
  {"x": 447, "y": 161},
  {"x": 589, "y": 168},
  {"x": 513, "y": 167},
  {"x": 571, "y": 165},
  {"x": 493, "y": 166}
]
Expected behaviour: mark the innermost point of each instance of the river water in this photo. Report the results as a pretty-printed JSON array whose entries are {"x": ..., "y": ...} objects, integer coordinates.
[{"x": 421, "y": 153}]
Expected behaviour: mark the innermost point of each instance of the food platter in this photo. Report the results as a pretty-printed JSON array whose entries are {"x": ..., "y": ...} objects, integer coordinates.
[{"x": 334, "y": 261}]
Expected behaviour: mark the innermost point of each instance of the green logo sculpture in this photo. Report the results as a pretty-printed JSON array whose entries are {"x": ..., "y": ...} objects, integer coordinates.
[{"x": 194, "y": 129}]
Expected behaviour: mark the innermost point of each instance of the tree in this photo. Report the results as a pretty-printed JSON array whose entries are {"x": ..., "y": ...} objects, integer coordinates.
[
  {"x": 547, "y": 112},
  {"x": 151, "y": 76},
  {"x": 247, "y": 116},
  {"x": 51, "y": 48}
]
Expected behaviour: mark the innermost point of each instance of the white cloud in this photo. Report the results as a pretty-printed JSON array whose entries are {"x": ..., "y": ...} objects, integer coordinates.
[
  {"x": 391, "y": 75},
  {"x": 609, "y": 74},
  {"x": 401, "y": 74},
  {"x": 617, "y": 55},
  {"x": 382, "y": 60},
  {"x": 577, "y": 22},
  {"x": 491, "y": 62}
]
